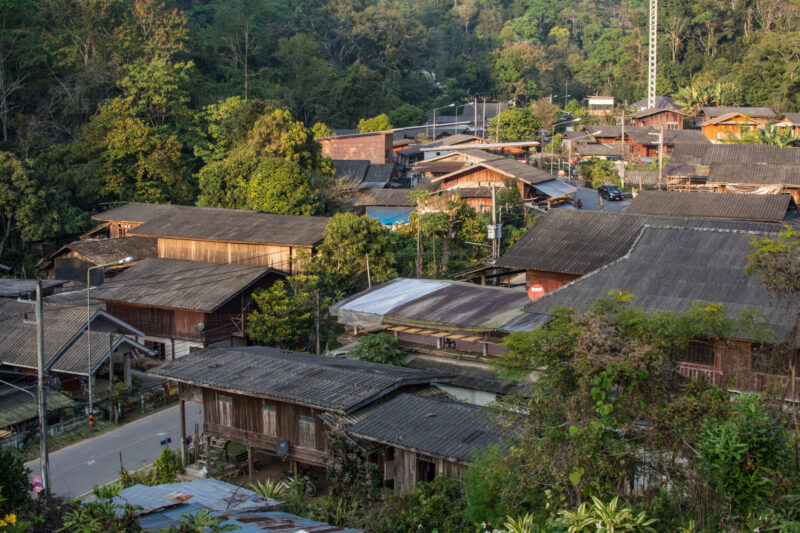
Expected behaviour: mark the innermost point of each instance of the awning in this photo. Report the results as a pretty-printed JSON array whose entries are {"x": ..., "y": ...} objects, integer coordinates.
[{"x": 555, "y": 188}]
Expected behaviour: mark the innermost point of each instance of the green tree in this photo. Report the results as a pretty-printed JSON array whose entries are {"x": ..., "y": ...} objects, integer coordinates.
[
  {"x": 341, "y": 259},
  {"x": 380, "y": 348},
  {"x": 280, "y": 186},
  {"x": 305, "y": 75},
  {"x": 320, "y": 129},
  {"x": 378, "y": 123},
  {"x": 516, "y": 125},
  {"x": 780, "y": 137},
  {"x": 407, "y": 115}
]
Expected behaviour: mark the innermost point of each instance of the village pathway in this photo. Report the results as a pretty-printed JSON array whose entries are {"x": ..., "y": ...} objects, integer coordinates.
[
  {"x": 590, "y": 200},
  {"x": 74, "y": 470}
]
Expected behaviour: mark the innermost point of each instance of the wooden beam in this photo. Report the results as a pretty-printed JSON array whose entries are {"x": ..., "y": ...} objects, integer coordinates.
[{"x": 250, "y": 463}]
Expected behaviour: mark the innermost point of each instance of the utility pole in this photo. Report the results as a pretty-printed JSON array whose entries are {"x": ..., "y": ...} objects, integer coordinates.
[
  {"x": 566, "y": 83},
  {"x": 494, "y": 225},
  {"x": 111, "y": 407},
  {"x": 651, "y": 67},
  {"x": 419, "y": 240},
  {"x": 369, "y": 278},
  {"x": 624, "y": 149},
  {"x": 44, "y": 466},
  {"x": 483, "y": 119},
  {"x": 317, "y": 324},
  {"x": 660, "y": 156},
  {"x": 475, "y": 116}
]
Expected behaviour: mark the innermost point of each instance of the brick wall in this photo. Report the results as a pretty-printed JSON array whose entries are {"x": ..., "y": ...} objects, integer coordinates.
[{"x": 376, "y": 148}]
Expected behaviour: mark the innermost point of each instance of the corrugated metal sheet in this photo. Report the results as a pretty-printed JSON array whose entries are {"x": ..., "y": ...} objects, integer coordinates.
[
  {"x": 555, "y": 188},
  {"x": 758, "y": 112},
  {"x": 135, "y": 212},
  {"x": 12, "y": 288},
  {"x": 339, "y": 385},
  {"x": 379, "y": 174},
  {"x": 101, "y": 251},
  {"x": 210, "y": 493},
  {"x": 437, "y": 304},
  {"x": 706, "y": 154},
  {"x": 711, "y": 205},
  {"x": 444, "y": 428},
  {"x": 643, "y": 178},
  {"x": 579, "y": 241},
  {"x": 670, "y": 269},
  {"x": 177, "y": 284},
  {"x": 519, "y": 170},
  {"x": 17, "y": 407},
  {"x": 384, "y": 197},
  {"x": 597, "y": 150},
  {"x": 754, "y": 173},
  {"x": 235, "y": 225}
]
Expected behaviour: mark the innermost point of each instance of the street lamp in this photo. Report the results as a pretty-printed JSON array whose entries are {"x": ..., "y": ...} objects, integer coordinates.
[
  {"x": 434, "y": 117},
  {"x": 89, "y": 328}
]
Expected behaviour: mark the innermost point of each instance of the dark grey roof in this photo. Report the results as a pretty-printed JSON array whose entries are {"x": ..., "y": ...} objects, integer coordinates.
[
  {"x": 351, "y": 170},
  {"x": 662, "y": 102},
  {"x": 519, "y": 170},
  {"x": 334, "y": 384},
  {"x": 605, "y": 130},
  {"x": 433, "y": 426},
  {"x": 754, "y": 173},
  {"x": 12, "y": 287},
  {"x": 379, "y": 174},
  {"x": 578, "y": 241},
  {"x": 135, "y": 212},
  {"x": 65, "y": 347},
  {"x": 176, "y": 284},
  {"x": 758, "y": 112},
  {"x": 670, "y": 269},
  {"x": 17, "y": 407},
  {"x": 598, "y": 150},
  {"x": 643, "y": 178},
  {"x": 384, "y": 197},
  {"x": 793, "y": 118},
  {"x": 705, "y": 154},
  {"x": 675, "y": 137},
  {"x": 101, "y": 251},
  {"x": 764, "y": 207},
  {"x": 472, "y": 377},
  {"x": 235, "y": 225},
  {"x": 654, "y": 111},
  {"x": 452, "y": 140}
]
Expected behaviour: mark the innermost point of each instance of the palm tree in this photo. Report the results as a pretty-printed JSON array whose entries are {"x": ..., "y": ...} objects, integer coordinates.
[{"x": 780, "y": 137}]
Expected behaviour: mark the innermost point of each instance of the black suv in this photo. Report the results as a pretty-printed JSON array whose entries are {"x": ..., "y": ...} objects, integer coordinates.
[{"x": 610, "y": 192}]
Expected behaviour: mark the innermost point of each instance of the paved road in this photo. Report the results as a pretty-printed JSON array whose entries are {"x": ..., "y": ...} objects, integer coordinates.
[
  {"x": 589, "y": 199},
  {"x": 74, "y": 470}
]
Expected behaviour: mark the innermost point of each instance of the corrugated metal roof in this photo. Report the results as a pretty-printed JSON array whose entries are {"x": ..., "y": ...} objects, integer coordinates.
[
  {"x": 17, "y": 407},
  {"x": 643, "y": 177},
  {"x": 654, "y": 111},
  {"x": 470, "y": 377},
  {"x": 754, "y": 173},
  {"x": 135, "y": 212},
  {"x": 758, "y": 112},
  {"x": 212, "y": 494},
  {"x": 334, "y": 384},
  {"x": 598, "y": 150},
  {"x": 769, "y": 207},
  {"x": 706, "y": 154},
  {"x": 436, "y": 304},
  {"x": 176, "y": 284},
  {"x": 555, "y": 188},
  {"x": 433, "y": 426},
  {"x": 379, "y": 174},
  {"x": 352, "y": 171},
  {"x": 384, "y": 197},
  {"x": 101, "y": 251},
  {"x": 670, "y": 269},
  {"x": 579, "y": 241},
  {"x": 452, "y": 140},
  {"x": 12, "y": 288},
  {"x": 235, "y": 225},
  {"x": 791, "y": 118},
  {"x": 661, "y": 102}
]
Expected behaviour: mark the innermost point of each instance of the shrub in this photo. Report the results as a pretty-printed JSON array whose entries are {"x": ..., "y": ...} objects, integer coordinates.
[
  {"x": 435, "y": 506},
  {"x": 380, "y": 348},
  {"x": 14, "y": 484}
]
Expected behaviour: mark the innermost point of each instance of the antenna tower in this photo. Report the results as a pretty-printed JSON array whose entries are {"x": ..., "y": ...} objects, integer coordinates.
[{"x": 651, "y": 68}]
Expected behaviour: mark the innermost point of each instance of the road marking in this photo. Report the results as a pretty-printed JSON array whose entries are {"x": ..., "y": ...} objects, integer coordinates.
[{"x": 91, "y": 462}]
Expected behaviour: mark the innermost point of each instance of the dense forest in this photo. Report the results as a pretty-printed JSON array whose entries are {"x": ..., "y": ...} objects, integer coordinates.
[{"x": 176, "y": 100}]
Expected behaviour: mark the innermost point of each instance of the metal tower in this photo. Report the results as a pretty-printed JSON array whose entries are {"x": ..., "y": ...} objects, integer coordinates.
[{"x": 651, "y": 68}]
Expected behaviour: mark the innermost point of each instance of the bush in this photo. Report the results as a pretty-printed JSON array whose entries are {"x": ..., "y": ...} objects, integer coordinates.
[
  {"x": 435, "y": 506},
  {"x": 14, "y": 484},
  {"x": 380, "y": 348}
]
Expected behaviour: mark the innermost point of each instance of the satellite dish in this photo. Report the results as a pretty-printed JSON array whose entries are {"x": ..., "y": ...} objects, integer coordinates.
[
  {"x": 200, "y": 326},
  {"x": 282, "y": 449}
]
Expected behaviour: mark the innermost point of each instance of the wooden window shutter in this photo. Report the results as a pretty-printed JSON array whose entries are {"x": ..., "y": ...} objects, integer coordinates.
[
  {"x": 269, "y": 420},
  {"x": 225, "y": 410},
  {"x": 307, "y": 432}
]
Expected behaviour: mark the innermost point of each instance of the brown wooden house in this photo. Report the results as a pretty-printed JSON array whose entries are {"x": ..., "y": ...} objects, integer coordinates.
[
  {"x": 425, "y": 437},
  {"x": 658, "y": 118},
  {"x": 215, "y": 235},
  {"x": 668, "y": 269},
  {"x": 566, "y": 244},
  {"x": 261, "y": 396},
  {"x": 182, "y": 306}
]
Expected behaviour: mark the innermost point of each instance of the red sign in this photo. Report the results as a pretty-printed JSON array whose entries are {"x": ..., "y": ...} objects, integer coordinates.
[
  {"x": 535, "y": 291},
  {"x": 562, "y": 173},
  {"x": 38, "y": 484}
]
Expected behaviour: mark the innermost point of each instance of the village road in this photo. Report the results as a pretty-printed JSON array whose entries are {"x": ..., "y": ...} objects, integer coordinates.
[
  {"x": 74, "y": 470},
  {"x": 591, "y": 201}
]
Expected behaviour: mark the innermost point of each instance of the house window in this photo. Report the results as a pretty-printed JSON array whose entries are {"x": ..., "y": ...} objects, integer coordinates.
[
  {"x": 159, "y": 348},
  {"x": 225, "y": 404},
  {"x": 426, "y": 469},
  {"x": 672, "y": 125},
  {"x": 307, "y": 432},
  {"x": 769, "y": 361},
  {"x": 700, "y": 353},
  {"x": 269, "y": 420}
]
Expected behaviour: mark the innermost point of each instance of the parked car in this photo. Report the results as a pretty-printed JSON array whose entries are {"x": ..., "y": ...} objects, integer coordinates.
[{"x": 610, "y": 192}]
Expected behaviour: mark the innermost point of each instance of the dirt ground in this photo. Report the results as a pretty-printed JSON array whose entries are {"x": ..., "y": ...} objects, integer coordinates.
[{"x": 267, "y": 466}]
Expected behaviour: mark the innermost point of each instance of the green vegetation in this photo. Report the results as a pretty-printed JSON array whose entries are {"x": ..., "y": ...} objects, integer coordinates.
[{"x": 380, "y": 348}]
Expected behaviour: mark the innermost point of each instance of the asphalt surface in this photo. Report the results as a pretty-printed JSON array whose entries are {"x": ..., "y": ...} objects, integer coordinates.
[
  {"x": 591, "y": 200},
  {"x": 75, "y": 470}
]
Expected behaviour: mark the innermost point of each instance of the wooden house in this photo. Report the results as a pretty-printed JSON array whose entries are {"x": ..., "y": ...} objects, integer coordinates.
[
  {"x": 261, "y": 396},
  {"x": 669, "y": 119},
  {"x": 736, "y": 168},
  {"x": 790, "y": 121},
  {"x": 375, "y": 147},
  {"x": 234, "y": 236},
  {"x": 668, "y": 269},
  {"x": 65, "y": 341},
  {"x": 600, "y": 105},
  {"x": 730, "y": 127},
  {"x": 423, "y": 438},
  {"x": 72, "y": 260},
  {"x": 182, "y": 306},
  {"x": 662, "y": 102},
  {"x": 448, "y": 144},
  {"x": 641, "y": 142},
  {"x": 120, "y": 220},
  {"x": 566, "y": 244},
  {"x": 762, "y": 115}
]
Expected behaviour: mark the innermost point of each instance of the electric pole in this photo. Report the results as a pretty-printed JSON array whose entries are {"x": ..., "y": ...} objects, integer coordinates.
[
  {"x": 44, "y": 466},
  {"x": 494, "y": 225},
  {"x": 651, "y": 67},
  {"x": 660, "y": 156},
  {"x": 624, "y": 149}
]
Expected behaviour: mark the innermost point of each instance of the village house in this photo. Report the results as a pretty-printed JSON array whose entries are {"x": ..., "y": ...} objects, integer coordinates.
[
  {"x": 448, "y": 144},
  {"x": 762, "y": 115},
  {"x": 275, "y": 399},
  {"x": 376, "y": 147},
  {"x": 66, "y": 351},
  {"x": 759, "y": 169},
  {"x": 72, "y": 260},
  {"x": 669, "y": 119},
  {"x": 755, "y": 207},
  {"x": 361, "y": 174},
  {"x": 425, "y": 437},
  {"x": 668, "y": 269},
  {"x": 730, "y": 127},
  {"x": 387, "y": 205},
  {"x": 183, "y": 306},
  {"x": 19, "y": 411},
  {"x": 790, "y": 121},
  {"x": 662, "y": 102},
  {"x": 566, "y": 244},
  {"x": 600, "y": 105}
]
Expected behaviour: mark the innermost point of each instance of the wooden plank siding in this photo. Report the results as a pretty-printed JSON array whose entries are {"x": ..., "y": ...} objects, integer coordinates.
[
  {"x": 287, "y": 258},
  {"x": 247, "y": 424},
  {"x": 404, "y": 468}
]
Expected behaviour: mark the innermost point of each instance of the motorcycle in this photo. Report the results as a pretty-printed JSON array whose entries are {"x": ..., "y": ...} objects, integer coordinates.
[{"x": 288, "y": 479}]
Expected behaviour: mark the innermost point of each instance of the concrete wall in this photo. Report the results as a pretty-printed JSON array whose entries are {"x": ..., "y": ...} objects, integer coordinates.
[{"x": 376, "y": 148}]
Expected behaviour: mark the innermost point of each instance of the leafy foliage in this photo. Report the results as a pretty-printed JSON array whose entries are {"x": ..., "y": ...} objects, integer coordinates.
[
  {"x": 430, "y": 506},
  {"x": 14, "y": 484},
  {"x": 515, "y": 125},
  {"x": 380, "y": 348},
  {"x": 379, "y": 123}
]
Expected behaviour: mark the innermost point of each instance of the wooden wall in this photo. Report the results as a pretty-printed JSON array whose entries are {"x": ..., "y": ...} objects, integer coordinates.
[
  {"x": 666, "y": 119},
  {"x": 121, "y": 229},
  {"x": 480, "y": 177},
  {"x": 247, "y": 425},
  {"x": 550, "y": 281},
  {"x": 288, "y": 258},
  {"x": 405, "y": 466}
]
